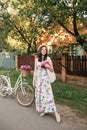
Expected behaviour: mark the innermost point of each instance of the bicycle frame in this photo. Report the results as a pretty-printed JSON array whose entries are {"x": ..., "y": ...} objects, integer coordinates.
[
  {"x": 18, "y": 83},
  {"x": 22, "y": 89},
  {"x": 9, "y": 90}
]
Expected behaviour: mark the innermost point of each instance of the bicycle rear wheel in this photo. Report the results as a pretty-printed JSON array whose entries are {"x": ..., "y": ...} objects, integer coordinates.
[
  {"x": 3, "y": 86},
  {"x": 25, "y": 95}
]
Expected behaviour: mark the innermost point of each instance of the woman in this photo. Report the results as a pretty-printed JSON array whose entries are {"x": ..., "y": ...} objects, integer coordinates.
[{"x": 44, "y": 99}]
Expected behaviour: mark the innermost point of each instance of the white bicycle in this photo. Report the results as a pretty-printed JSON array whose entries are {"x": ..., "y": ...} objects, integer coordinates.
[{"x": 23, "y": 91}]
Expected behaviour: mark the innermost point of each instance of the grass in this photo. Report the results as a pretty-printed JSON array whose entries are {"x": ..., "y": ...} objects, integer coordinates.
[
  {"x": 70, "y": 94},
  {"x": 64, "y": 93}
]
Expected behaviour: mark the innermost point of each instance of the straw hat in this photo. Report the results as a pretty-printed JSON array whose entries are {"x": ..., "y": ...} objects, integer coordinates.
[{"x": 41, "y": 46}]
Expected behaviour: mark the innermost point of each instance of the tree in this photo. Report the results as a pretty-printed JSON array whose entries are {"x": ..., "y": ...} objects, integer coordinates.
[
  {"x": 23, "y": 28},
  {"x": 26, "y": 18},
  {"x": 4, "y": 30},
  {"x": 65, "y": 12}
]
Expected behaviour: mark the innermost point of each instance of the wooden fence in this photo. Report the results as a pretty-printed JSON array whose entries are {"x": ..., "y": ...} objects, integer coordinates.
[
  {"x": 29, "y": 60},
  {"x": 57, "y": 64},
  {"x": 24, "y": 60},
  {"x": 74, "y": 65},
  {"x": 77, "y": 65}
]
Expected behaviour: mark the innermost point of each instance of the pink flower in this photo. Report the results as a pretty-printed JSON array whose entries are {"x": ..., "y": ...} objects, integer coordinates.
[
  {"x": 25, "y": 67},
  {"x": 45, "y": 62}
]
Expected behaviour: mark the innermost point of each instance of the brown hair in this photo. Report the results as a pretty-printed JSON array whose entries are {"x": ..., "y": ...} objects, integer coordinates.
[{"x": 39, "y": 53}]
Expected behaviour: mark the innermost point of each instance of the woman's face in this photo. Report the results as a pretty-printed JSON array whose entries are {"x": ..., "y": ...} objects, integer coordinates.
[{"x": 43, "y": 50}]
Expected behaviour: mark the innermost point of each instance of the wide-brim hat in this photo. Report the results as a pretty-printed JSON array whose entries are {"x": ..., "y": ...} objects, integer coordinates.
[{"x": 42, "y": 45}]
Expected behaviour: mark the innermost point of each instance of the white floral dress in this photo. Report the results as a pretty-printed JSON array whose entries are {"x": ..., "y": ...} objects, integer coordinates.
[{"x": 44, "y": 99}]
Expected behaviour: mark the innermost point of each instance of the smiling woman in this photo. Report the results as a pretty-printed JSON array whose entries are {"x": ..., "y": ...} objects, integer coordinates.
[{"x": 44, "y": 98}]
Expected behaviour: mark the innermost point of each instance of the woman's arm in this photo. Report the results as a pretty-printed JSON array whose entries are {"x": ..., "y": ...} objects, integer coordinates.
[
  {"x": 50, "y": 65},
  {"x": 34, "y": 71}
]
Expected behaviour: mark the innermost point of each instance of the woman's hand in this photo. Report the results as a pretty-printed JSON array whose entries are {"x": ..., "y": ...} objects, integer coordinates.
[{"x": 48, "y": 67}]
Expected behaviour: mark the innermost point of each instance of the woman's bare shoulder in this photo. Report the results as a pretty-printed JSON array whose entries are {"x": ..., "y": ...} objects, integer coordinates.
[
  {"x": 48, "y": 58},
  {"x": 36, "y": 59}
]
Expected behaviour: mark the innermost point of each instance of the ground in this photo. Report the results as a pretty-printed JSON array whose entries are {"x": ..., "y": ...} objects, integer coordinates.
[{"x": 73, "y": 117}]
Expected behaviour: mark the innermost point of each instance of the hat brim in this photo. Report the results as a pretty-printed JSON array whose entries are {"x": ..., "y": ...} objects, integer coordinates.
[{"x": 42, "y": 45}]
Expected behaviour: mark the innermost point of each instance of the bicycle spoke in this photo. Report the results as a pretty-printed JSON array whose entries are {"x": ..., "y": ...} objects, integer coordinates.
[
  {"x": 25, "y": 95},
  {"x": 3, "y": 86}
]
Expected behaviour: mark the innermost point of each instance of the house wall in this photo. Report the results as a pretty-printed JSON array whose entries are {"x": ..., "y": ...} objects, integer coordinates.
[{"x": 7, "y": 59}]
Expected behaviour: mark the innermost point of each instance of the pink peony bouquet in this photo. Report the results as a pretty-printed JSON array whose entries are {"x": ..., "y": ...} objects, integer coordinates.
[
  {"x": 25, "y": 67},
  {"x": 45, "y": 62}
]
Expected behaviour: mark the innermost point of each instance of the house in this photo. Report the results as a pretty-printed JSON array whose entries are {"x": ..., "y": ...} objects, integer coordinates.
[{"x": 62, "y": 39}]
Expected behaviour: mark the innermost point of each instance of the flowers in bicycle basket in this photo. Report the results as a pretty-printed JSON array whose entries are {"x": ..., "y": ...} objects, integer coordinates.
[{"x": 25, "y": 67}]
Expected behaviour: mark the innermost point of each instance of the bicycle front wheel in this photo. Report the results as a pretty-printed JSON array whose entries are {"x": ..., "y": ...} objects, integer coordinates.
[
  {"x": 3, "y": 86},
  {"x": 25, "y": 95}
]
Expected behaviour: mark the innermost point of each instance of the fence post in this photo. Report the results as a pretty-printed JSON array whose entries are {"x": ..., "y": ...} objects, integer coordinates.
[
  {"x": 17, "y": 61},
  {"x": 63, "y": 74}
]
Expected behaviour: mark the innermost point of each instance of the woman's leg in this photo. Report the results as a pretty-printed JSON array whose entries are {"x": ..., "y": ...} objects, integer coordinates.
[
  {"x": 42, "y": 114},
  {"x": 57, "y": 115}
]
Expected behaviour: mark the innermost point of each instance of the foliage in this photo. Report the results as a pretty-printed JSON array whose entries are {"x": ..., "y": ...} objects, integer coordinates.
[
  {"x": 24, "y": 20},
  {"x": 53, "y": 54},
  {"x": 85, "y": 46},
  {"x": 65, "y": 13},
  {"x": 24, "y": 30},
  {"x": 70, "y": 94}
]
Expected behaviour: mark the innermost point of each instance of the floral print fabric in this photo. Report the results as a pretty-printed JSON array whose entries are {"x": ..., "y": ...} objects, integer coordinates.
[{"x": 43, "y": 92}]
